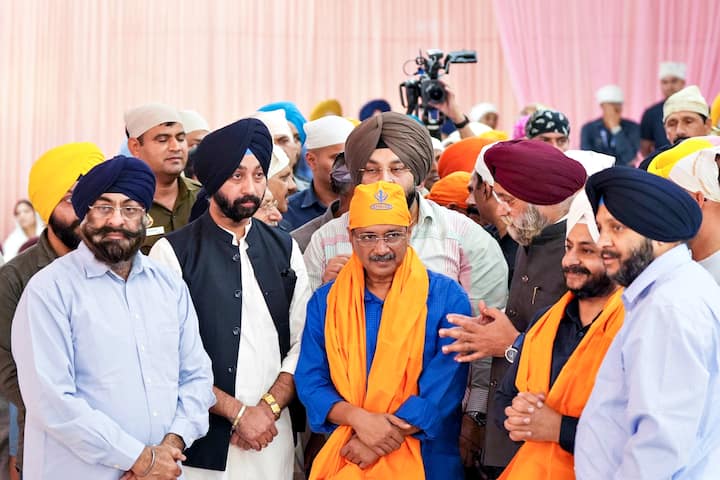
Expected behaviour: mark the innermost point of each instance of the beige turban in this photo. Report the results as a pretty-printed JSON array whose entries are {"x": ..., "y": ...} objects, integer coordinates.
[
  {"x": 278, "y": 161},
  {"x": 409, "y": 140},
  {"x": 581, "y": 212},
  {"x": 193, "y": 121},
  {"x": 592, "y": 161},
  {"x": 140, "y": 119},
  {"x": 698, "y": 172},
  {"x": 689, "y": 99},
  {"x": 275, "y": 121},
  {"x": 326, "y": 131},
  {"x": 481, "y": 168}
]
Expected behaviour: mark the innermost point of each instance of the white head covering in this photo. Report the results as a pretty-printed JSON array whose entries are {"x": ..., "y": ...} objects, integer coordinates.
[
  {"x": 193, "y": 121},
  {"x": 609, "y": 94},
  {"x": 476, "y": 127},
  {"x": 671, "y": 69},
  {"x": 581, "y": 212},
  {"x": 278, "y": 161},
  {"x": 481, "y": 168},
  {"x": 275, "y": 121},
  {"x": 326, "y": 131},
  {"x": 140, "y": 119},
  {"x": 698, "y": 172},
  {"x": 480, "y": 110},
  {"x": 592, "y": 161},
  {"x": 437, "y": 145},
  {"x": 689, "y": 99}
]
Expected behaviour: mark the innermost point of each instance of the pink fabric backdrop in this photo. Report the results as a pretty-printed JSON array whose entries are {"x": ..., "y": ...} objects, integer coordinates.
[
  {"x": 69, "y": 68},
  {"x": 559, "y": 52}
]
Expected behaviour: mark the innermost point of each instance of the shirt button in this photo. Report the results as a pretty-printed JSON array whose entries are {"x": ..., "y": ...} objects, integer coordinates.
[
  {"x": 236, "y": 331},
  {"x": 236, "y": 257},
  {"x": 511, "y": 312},
  {"x": 581, "y": 334},
  {"x": 149, "y": 382},
  {"x": 142, "y": 348},
  {"x": 238, "y": 293},
  {"x": 230, "y": 369},
  {"x": 525, "y": 278},
  {"x": 154, "y": 414},
  {"x": 493, "y": 383}
]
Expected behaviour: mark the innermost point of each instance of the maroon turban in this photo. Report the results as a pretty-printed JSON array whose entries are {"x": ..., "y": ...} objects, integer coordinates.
[{"x": 534, "y": 171}]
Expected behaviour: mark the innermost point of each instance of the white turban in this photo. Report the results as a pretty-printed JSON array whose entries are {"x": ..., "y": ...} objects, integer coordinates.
[
  {"x": 437, "y": 145},
  {"x": 609, "y": 94},
  {"x": 481, "y": 168},
  {"x": 581, "y": 212},
  {"x": 193, "y": 121},
  {"x": 593, "y": 162},
  {"x": 278, "y": 161},
  {"x": 671, "y": 69},
  {"x": 698, "y": 172},
  {"x": 480, "y": 110},
  {"x": 326, "y": 131},
  {"x": 140, "y": 119},
  {"x": 275, "y": 121},
  {"x": 689, "y": 99}
]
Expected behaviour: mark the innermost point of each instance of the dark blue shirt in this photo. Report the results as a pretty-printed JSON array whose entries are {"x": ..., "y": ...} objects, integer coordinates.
[
  {"x": 436, "y": 410},
  {"x": 302, "y": 207},
  {"x": 651, "y": 125},
  {"x": 622, "y": 145}
]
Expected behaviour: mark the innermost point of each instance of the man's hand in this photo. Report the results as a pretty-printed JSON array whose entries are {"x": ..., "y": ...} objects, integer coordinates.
[
  {"x": 358, "y": 453},
  {"x": 257, "y": 427},
  {"x": 166, "y": 464},
  {"x": 450, "y": 107},
  {"x": 381, "y": 432},
  {"x": 472, "y": 437},
  {"x": 334, "y": 266},
  {"x": 488, "y": 334},
  {"x": 611, "y": 115},
  {"x": 174, "y": 441},
  {"x": 530, "y": 419}
]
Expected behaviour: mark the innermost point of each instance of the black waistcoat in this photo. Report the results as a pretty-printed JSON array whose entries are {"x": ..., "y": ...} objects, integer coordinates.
[{"x": 211, "y": 269}]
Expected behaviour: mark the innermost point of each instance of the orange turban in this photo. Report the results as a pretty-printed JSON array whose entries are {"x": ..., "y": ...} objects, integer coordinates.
[
  {"x": 461, "y": 156},
  {"x": 379, "y": 203},
  {"x": 451, "y": 189}
]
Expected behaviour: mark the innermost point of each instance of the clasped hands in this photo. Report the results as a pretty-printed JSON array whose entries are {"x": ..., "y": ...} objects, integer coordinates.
[
  {"x": 529, "y": 418},
  {"x": 256, "y": 428},
  {"x": 376, "y": 435}
]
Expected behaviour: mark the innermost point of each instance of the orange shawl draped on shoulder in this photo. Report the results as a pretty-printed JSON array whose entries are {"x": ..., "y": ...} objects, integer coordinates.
[
  {"x": 571, "y": 390},
  {"x": 395, "y": 369}
]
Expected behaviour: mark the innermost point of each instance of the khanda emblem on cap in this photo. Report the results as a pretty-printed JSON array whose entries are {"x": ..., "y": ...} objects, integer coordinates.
[{"x": 381, "y": 198}]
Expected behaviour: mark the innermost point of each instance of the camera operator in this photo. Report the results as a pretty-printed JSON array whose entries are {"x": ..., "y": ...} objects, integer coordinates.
[{"x": 452, "y": 110}]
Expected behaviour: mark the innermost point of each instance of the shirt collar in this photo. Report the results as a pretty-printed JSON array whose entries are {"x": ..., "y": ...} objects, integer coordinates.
[
  {"x": 309, "y": 198},
  {"x": 665, "y": 263},
  {"x": 96, "y": 268},
  {"x": 234, "y": 239},
  {"x": 425, "y": 211}
]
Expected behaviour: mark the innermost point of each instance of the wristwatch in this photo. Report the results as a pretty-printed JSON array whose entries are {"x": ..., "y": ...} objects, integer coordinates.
[
  {"x": 511, "y": 353},
  {"x": 272, "y": 403},
  {"x": 463, "y": 123}
]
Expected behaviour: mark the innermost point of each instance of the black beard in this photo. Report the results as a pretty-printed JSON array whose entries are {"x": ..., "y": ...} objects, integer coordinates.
[
  {"x": 112, "y": 252},
  {"x": 598, "y": 285},
  {"x": 235, "y": 211},
  {"x": 631, "y": 268},
  {"x": 410, "y": 199},
  {"x": 66, "y": 233}
]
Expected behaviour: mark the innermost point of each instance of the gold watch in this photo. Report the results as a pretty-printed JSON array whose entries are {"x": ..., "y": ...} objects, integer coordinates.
[{"x": 272, "y": 403}]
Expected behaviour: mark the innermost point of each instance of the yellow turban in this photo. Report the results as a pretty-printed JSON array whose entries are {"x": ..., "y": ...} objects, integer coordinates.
[
  {"x": 715, "y": 113},
  {"x": 665, "y": 161},
  {"x": 379, "y": 203},
  {"x": 326, "y": 107},
  {"x": 53, "y": 174},
  {"x": 495, "y": 135}
]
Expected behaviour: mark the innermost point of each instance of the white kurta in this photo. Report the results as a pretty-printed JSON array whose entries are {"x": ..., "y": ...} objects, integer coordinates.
[{"x": 258, "y": 366}]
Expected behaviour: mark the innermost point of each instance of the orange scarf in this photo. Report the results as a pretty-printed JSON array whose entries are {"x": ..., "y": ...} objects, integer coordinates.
[
  {"x": 571, "y": 390},
  {"x": 395, "y": 369}
]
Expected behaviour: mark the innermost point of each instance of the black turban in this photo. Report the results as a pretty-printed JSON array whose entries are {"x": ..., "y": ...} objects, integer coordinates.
[
  {"x": 121, "y": 174},
  {"x": 221, "y": 151},
  {"x": 547, "y": 121},
  {"x": 534, "y": 171},
  {"x": 652, "y": 206},
  {"x": 409, "y": 140}
]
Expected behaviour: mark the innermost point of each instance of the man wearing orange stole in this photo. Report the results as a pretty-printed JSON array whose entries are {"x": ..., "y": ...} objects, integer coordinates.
[
  {"x": 371, "y": 368},
  {"x": 555, "y": 364}
]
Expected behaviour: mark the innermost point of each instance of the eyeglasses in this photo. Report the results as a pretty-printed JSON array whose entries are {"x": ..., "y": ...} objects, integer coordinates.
[
  {"x": 374, "y": 172},
  {"x": 391, "y": 239},
  {"x": 128, "y": 213}
]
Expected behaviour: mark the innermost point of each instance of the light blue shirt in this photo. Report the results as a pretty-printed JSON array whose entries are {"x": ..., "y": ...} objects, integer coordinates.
[
  {"x": 106, "y": 366},
  {"x": 654, "y": 412}
]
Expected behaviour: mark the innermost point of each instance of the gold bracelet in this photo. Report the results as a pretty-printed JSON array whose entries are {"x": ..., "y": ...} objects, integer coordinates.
[
  {"x": 239, "y": 415},
  {"x": 272, "y": 403}
]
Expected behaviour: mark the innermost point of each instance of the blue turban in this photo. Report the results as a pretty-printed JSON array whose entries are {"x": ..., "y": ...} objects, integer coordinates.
[
  {"x": 652, "y": 206},
  {"x": 221, "y": 151},
  {"x": 120, "y": 174},
  {"x": 292, "y": 113},
  {"x": 370, "y": 107}
]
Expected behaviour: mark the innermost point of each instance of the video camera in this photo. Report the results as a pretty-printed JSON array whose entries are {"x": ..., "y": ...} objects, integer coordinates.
[{"x": 427, "y": 87}]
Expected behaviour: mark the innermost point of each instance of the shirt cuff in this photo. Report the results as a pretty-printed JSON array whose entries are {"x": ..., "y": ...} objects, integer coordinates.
[
  {"x": 289, "y": 363},
  {"x": 568, "y": 427},
  {"x": 321, "y": 410},
  {"x": 185, "y": 430},
  {"x": 127, "y": 451},
  {"x": 422, "y": 414}
]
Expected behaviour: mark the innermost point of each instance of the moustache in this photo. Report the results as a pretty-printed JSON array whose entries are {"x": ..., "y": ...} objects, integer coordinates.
[
  {"x": 472, "y": 210},
  {"x": 382, "y": 258},
  {"x": 604, "y": 253},
  {"x": 576, "y": 269},
  {"x": 248, "y": 198},
  {"x": 127, "y": 233}
]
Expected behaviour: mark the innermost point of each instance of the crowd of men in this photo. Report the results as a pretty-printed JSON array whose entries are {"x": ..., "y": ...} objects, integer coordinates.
[{"x": 479, "y": 307}]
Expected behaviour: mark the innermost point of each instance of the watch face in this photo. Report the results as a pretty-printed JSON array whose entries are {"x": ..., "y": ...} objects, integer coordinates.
[{"x": 511, "y": 354}]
